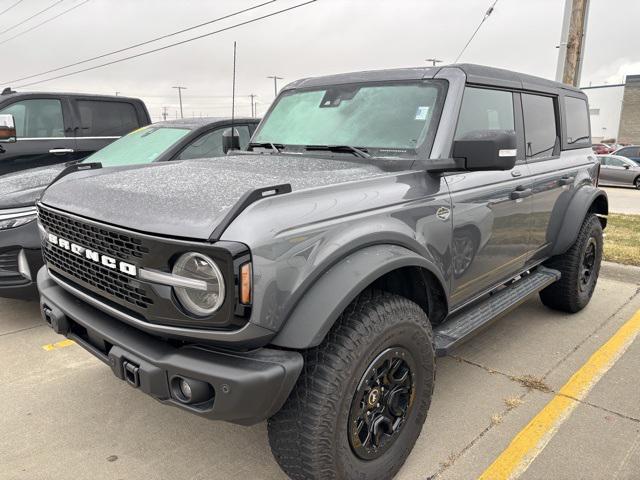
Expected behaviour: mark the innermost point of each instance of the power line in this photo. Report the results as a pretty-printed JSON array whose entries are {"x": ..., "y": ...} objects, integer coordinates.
[
  {"x": 11, "y": 6},
  {"x": 54, "y": 4},
  {"x": 484, "y": 19},
  {"x": 45, "y": 22},
  {"x": 141, "y": 44},
  {"x": 167, "y": 46}
]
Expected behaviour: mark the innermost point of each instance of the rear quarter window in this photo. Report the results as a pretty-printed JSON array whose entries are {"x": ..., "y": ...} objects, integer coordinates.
[
  {"x": 101, "y": 118},
  {"x": 576, "y": 114}
]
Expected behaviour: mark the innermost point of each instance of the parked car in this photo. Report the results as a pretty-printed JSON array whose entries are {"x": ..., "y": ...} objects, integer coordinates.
[
  {"x": 60, "y": 127},
  {"x": 632, "y": 152},
  {"x": 312, "y": 280},
  {"x": 20, "y": 254},
  {"x": 619, "y": 171},
  {"x": 602, "y": 148}
]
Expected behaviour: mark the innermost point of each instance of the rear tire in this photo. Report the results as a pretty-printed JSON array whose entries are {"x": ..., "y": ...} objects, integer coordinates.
[
  {"x": 348, "y": 384},
  {"x": 579, "y": 266},
  {"x": 636, "y": 182}
]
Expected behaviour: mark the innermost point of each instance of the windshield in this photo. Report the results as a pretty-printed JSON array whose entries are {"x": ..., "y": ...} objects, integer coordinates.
[
  {"x": 141, "y": 146},
  {"x": 395, "y": 115}
]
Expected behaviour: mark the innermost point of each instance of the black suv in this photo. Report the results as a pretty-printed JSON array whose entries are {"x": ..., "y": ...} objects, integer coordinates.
[
  {"x": 60, "y": 127},
  {"x": 380, "y": 219}
]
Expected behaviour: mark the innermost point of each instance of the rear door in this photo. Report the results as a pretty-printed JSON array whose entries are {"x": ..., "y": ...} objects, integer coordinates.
[
  {"x": 490, "y": 209},
  {"x": 101, "y": 121},
  {"x": 617, "y": 171},
  {"x": 558, "y": 153},
  {"x": 44, "y": 126}
]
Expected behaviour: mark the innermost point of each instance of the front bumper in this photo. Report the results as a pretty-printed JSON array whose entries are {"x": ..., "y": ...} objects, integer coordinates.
[
  {"x": 246, "y": 388},
  {"x": 22, "y": 240}
]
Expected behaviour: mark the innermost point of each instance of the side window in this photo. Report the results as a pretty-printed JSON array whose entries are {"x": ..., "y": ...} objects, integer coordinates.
[
  {"x": 576, "y": 116},
  {"x": 484, "y": 109},
  {"x": 616, "y": 162},
  {"x": 101, "y": 118},
  {"x": 540, "y": 130},
  {"x": 604, "y": 160},
  {"x": 210, "y": 144},
  {"x": 37, "y": 118}
]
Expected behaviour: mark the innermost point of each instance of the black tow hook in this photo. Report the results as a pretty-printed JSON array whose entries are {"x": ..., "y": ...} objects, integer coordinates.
[{"x": 131, "y": 373}]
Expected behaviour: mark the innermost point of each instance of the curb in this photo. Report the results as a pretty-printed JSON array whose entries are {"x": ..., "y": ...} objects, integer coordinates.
[{"x": 618, "y": 271}]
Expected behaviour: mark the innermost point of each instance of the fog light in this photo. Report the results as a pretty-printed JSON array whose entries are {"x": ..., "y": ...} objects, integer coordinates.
[
  {"x": 191, "y": 391},
  {"x": 185, "y": 389}
]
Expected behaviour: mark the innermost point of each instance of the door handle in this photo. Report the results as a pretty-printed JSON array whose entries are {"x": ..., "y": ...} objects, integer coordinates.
[
  {"x": 516, "y": 173},
  {"x": 520, "y": 192},
  {"x": 566, "y": 180},
  {"x": 61, "y": 151}
]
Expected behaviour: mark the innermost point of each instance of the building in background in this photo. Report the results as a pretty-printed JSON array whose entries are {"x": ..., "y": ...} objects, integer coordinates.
[
  {"x": 630, "y": 116},
  {"x": 615, "y": 111}
]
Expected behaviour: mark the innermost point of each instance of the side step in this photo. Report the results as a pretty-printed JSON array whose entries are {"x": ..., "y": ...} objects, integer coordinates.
[{"x": 474, "y": 319}]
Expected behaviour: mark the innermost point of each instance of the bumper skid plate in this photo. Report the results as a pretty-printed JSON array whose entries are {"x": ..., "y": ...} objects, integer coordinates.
[{"x": 240, "y": 387}]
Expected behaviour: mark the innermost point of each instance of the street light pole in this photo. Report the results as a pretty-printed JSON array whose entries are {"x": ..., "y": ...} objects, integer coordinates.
[
  {"x": 180, "y": 98},
  {"x": 433, "y": 61},
  {"x": 253, "y": 111},
  {"x": 275, "y": 84}
]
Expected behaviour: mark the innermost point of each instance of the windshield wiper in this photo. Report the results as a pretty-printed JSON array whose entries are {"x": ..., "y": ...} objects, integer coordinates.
[
  {"x": 272, "y": 146},
  {"x": 358, "y": 152}
]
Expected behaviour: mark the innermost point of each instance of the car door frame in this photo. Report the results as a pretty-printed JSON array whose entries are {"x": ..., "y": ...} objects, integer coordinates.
[
  {"x": 44, "y": 146},
  {"x": 516, "y": 178}
]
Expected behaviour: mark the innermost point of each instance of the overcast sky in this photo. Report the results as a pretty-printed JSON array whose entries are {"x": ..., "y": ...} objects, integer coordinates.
[{"x": 328, "y": 36}]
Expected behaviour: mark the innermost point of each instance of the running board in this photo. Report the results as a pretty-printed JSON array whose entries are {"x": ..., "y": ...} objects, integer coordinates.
[{"x": 474, "y": 319}]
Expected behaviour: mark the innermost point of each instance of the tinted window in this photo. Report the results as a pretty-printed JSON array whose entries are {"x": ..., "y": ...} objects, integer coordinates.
[
  {"x": 142, "y": 146},
  {"x": 577, "y": 119},
  {"x": 485, "y": 110},
  {"x": 540, "y": 129},
  {"x": 37, "y": 118},
  {"x": 629, "y": 152},
  {"x": 210, "y": 144},
  {"x": 615, "y": 162},
  {"x": 106, "y": 119}
]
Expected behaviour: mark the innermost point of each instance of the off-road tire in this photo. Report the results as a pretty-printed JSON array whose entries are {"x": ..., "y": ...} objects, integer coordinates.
[
  {"x": 566, "y": 294},
  {"x": 309, "y": 436}
]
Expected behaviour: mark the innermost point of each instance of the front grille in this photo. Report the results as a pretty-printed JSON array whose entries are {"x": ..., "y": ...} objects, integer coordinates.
[
  {"x": 9, "y": 265},
  {"x": 124, "y": 247},
  {"x": 87, "y": 272}
]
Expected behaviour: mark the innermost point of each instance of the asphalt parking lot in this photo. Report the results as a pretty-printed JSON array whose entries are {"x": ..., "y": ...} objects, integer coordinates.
[{"x": 66, "y": 416}]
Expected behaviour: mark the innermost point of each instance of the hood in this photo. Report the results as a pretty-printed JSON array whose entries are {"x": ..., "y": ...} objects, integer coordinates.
[
  {"x": 22, "y": 189},
  {"x": 188, "y": 199}
]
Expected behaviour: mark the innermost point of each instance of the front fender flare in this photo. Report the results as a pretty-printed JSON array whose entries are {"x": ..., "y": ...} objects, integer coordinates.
[
  {"x": 575, "y": 213},
  {"x": 326, "y": 299}
]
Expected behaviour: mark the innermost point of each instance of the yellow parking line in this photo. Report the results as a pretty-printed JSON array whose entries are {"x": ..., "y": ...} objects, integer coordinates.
[
  {"x": 55, "y": 346},
  {"x": 531, "y": 440}
]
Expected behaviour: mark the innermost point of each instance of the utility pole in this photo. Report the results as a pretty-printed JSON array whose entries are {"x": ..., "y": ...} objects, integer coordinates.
[
  {"x": 253, "y": 110},
  {"x": 571, "y": 48},
  {"x": 433, "y": 61},
  {"x": 275, "y": 84},
  {"x": 117, "y": 93},
  {"x": 164, "y": 113},
  {"x": 180, "y": 97}
]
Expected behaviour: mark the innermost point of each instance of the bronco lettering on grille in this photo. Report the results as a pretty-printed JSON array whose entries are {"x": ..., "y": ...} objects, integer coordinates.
[{"x": 92, "y": 255}]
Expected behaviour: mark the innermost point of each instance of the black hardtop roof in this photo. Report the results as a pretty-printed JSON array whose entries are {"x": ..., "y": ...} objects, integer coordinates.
[
  {"x": 197, "y": 122},
  {"x": 476, "y": 74}
]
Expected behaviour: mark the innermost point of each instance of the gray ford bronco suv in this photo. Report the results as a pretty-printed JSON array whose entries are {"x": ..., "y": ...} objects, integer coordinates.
[{"x": 379, "y": 220}]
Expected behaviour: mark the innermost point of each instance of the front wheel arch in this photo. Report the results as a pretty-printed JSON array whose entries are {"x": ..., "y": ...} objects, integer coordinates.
[{"x": 382, "y": 266}]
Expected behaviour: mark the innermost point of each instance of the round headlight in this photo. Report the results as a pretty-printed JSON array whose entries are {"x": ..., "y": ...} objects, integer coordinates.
[{"x": 200, "y": 302}]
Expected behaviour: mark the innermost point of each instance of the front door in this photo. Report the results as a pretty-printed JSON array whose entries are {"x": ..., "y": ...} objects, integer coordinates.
[
  {"x": 44, "y": 131},
  {"x": 490, "y": 209}
]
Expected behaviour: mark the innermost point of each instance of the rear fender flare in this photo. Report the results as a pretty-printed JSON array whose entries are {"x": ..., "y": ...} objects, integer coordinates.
[
  {"x": 326, "y": 299},
  {"x": 579, "y": 206}
]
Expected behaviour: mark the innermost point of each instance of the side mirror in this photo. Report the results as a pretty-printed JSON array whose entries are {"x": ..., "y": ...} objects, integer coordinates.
[
  {"x": 487, "y": 150},
  {"x": 7, "y": 129},
  {"x": 627, "y": 166},
  {"x": 230, "y": 140}
]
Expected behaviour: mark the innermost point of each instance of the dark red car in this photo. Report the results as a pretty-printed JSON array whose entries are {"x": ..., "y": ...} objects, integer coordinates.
[{"x": 601, "y": 148}]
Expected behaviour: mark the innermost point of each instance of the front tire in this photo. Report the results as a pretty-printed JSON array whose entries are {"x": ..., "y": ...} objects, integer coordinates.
[
  {"x": 363, "y": 395},
  {"x": 579, "y": 266}
]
